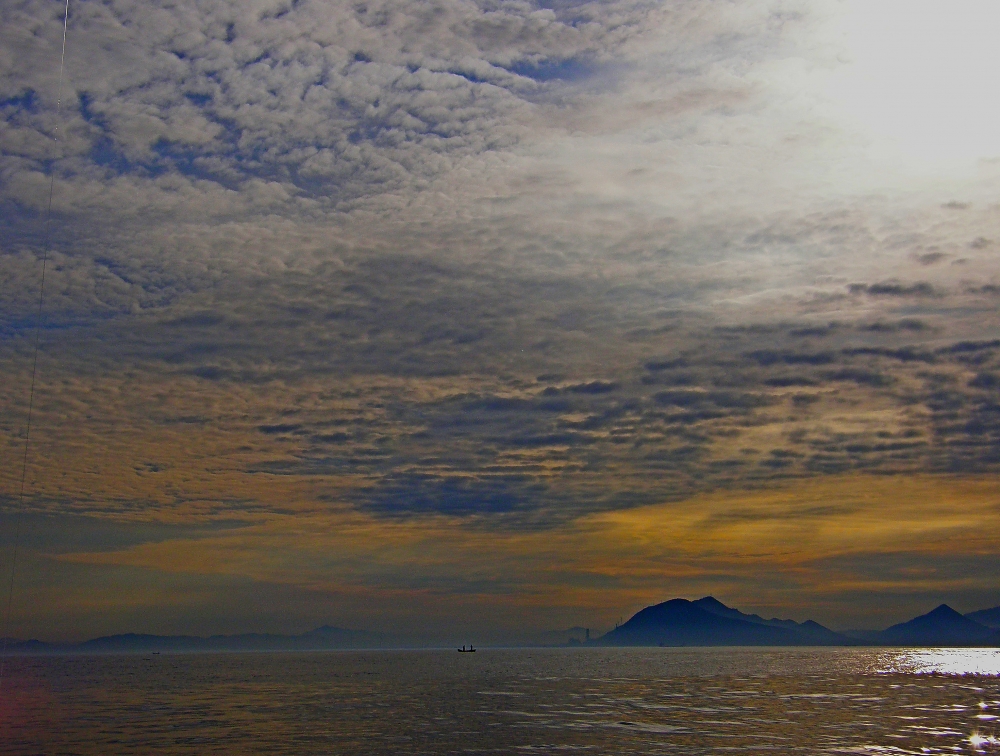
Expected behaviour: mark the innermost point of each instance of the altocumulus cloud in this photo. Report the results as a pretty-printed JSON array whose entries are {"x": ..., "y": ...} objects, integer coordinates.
[{"x": 292, "y": 102}]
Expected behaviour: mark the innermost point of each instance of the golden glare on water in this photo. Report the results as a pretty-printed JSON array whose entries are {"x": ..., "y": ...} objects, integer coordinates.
[
  {"x": 982, "y": 742},
  {"x": 977, "y": 662},
  {"x": 919, "y": 80},
  {"x": 947, "y": 661}
]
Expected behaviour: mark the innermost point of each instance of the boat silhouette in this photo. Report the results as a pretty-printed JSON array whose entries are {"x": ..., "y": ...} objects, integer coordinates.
[{"x": 470, "y": 650}]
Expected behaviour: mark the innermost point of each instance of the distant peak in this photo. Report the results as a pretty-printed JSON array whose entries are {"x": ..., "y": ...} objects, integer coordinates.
[
  {"x": 710, "y": 601},
  {"x": 943, "y": 611},
  {"x": 675, "y": 602}
]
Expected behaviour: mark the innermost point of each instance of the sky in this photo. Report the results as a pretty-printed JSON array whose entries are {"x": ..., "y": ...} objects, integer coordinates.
[{"x": 475, "y": 318}]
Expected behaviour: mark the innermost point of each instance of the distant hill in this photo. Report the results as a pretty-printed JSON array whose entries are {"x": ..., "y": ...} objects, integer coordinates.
[
  {"x": 817, "y": 634},
  {"x": 322, "y": 638},
  {"x": 709, "y": 622},
  {"x": 678, "y": 622},
  {"x": 941, "y": 627},
  {"x": 988, "y": 617}
]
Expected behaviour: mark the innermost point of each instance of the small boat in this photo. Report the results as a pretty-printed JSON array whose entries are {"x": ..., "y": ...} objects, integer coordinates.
[{"x": 470, "y": 650}]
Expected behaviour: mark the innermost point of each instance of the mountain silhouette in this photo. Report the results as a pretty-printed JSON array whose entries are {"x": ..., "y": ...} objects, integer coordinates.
[
  {"x": 709, "y": 622},
  {"x": 941, "y": 627},
  {"x": 322, "y": 638},
  {"x": 988, "y": 617},
  {"x": 816, "y": 633},
  {"x": 678, "y": 622}
]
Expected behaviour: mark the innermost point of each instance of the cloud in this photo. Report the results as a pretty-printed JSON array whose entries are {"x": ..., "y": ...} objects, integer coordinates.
[
  {"x": 310, "y": 101},
  {"x": 506, "y": 267},
  {"x": 893, "y": 289},
  {"x": 434, "y": 401}
]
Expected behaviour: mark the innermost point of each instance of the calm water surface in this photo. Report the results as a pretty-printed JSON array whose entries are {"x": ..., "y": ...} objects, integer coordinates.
[{"x": 615, "y": 701}]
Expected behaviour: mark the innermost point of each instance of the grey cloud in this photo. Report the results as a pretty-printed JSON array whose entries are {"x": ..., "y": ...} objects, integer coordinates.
[
  {"x": 893, "y": 289},
  {"x": 482, "y": 495},
  {"x": 328, "y": 101},
  {"x": 470, "y": 449},
  {"x": 904, "y": 324},
  {"x": 930, "y": 258},
  {"x": 548, "y": 412}
]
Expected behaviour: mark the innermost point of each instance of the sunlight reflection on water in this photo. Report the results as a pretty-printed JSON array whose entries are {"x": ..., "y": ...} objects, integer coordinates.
[
  {"x": 962, "y": 662},
  {"x": 944, "y": 661}
]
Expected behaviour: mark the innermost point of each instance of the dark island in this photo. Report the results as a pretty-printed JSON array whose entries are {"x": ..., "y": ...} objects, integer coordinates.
[{"x": 709, "y": 622}]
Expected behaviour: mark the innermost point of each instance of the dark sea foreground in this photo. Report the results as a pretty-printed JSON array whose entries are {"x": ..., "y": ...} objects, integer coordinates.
[{"x": 599, "y": 701}]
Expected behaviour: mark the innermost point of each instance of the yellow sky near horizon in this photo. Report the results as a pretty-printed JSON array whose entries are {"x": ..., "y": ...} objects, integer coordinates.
[
  {"x": 806, "y": 548},
  {"x": 825, "y": 547}
]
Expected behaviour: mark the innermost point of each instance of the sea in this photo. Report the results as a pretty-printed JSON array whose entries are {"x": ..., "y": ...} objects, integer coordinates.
[{"x": 507, "y": 701}]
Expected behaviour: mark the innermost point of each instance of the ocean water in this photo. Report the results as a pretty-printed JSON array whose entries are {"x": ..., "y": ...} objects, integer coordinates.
[{"x": 599, "y": 701}]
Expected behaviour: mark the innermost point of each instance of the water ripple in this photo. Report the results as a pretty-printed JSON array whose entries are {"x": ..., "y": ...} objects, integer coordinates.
[{"x": 622, "y": 701}]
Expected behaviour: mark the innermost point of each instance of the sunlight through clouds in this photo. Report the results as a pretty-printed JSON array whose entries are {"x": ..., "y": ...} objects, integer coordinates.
[{"x": 917, "y": 78}]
